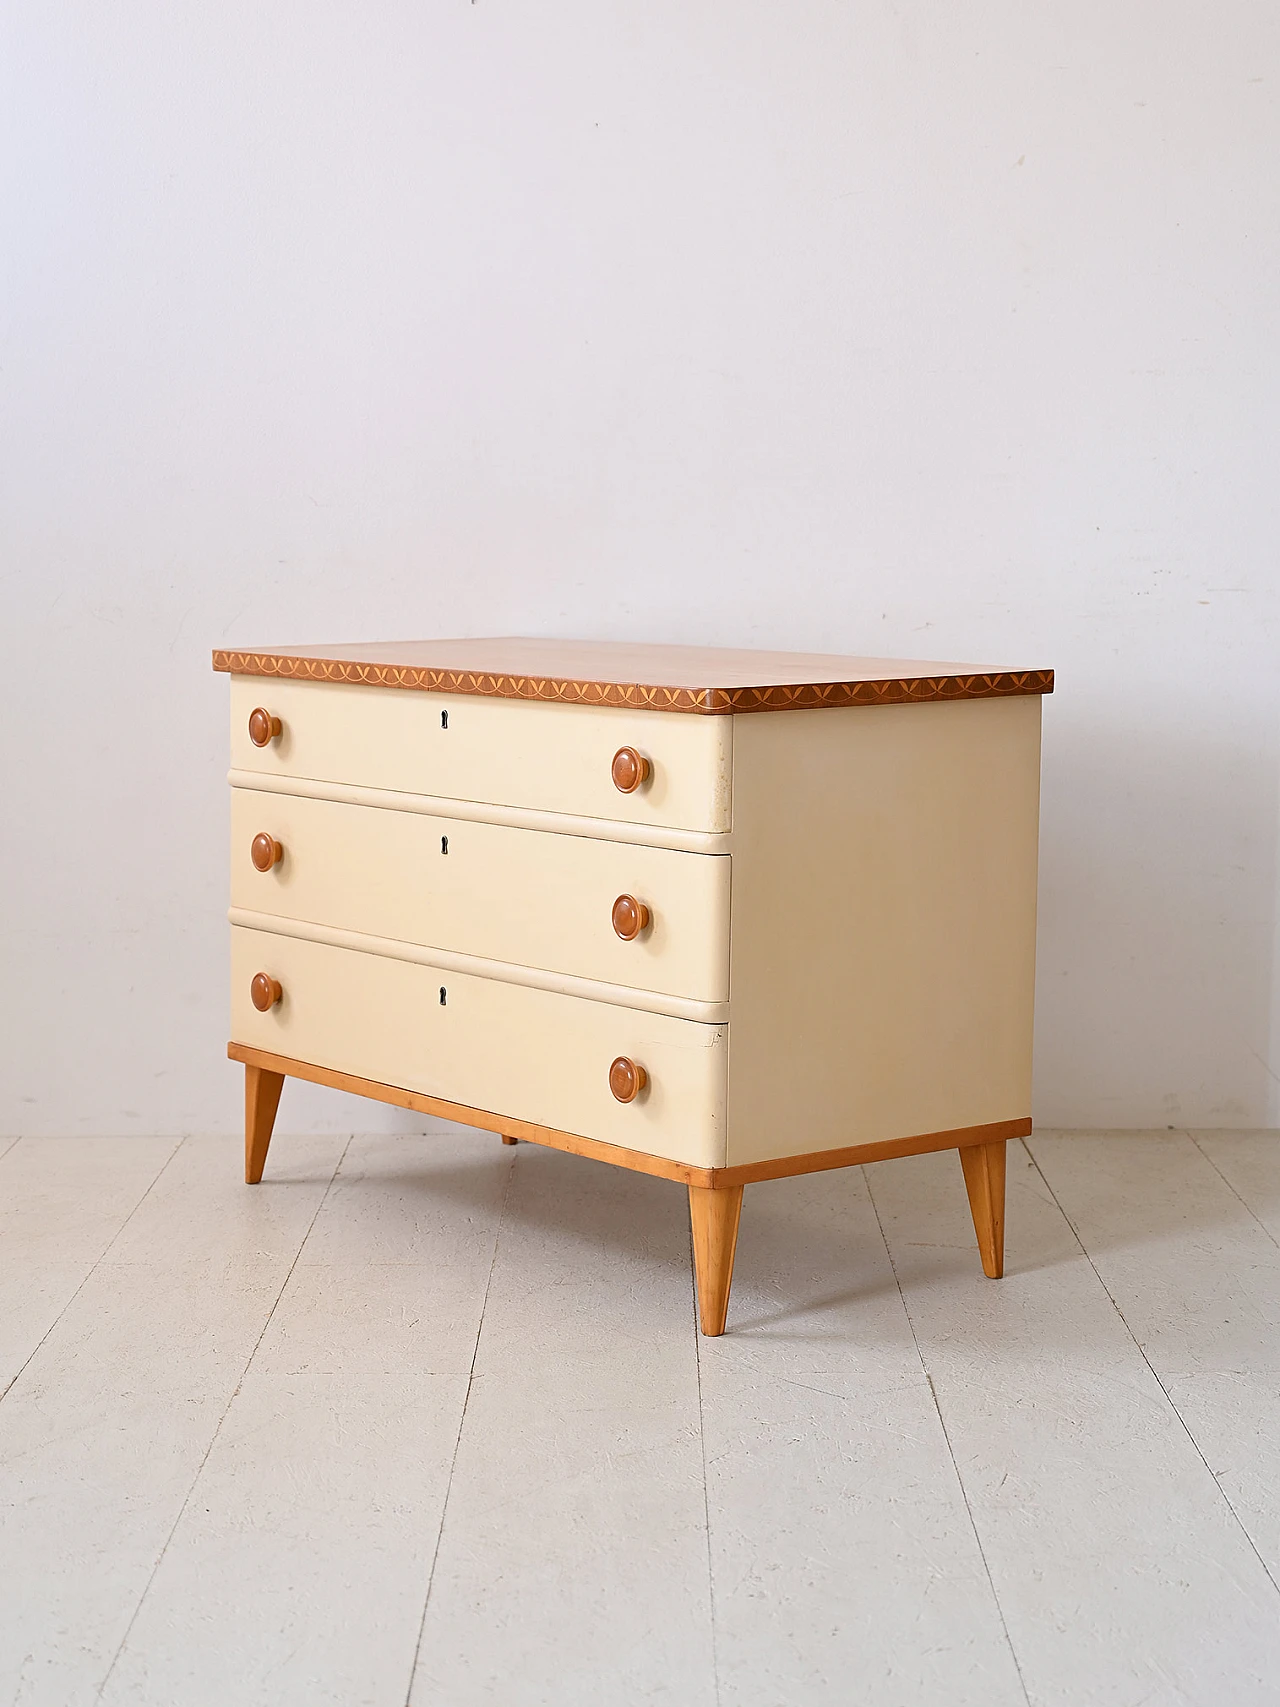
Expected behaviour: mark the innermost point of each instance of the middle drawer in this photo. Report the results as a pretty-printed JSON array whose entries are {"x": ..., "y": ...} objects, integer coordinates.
[{"x": 529, "y": 897}]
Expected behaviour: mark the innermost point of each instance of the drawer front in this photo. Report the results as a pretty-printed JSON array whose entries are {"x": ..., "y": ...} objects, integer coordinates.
[
  {"x": 525, "y": 896},
  {"x": 530, "y": 1054},
  {"x": 548, "y": 757}
]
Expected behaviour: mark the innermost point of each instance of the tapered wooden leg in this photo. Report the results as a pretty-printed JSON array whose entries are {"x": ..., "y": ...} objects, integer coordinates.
[
  {"x": 261, "y": 1100},
  {"x": 983, "y": 1166},
  {"x": 714, "y": 1215},
  {"x": 507, "y": 1140}
]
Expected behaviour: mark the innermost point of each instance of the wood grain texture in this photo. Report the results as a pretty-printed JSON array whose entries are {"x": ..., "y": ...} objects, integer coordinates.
[
  {"x": 630, "y": 770},
  {"x": 714, "y": 1217},
  {"x": 627, "y": 1079},
  {"x": 707, "y": 680},
  {"x": 262, "y": 1087},
  {"x": 984, "y": 1169}
]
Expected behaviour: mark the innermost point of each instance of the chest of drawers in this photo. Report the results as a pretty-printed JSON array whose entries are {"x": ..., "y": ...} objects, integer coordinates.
[{"x": 717, "y": 916}]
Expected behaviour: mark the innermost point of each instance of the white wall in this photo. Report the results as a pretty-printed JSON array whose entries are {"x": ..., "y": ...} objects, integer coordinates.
[{"x": 937, "y": 330}]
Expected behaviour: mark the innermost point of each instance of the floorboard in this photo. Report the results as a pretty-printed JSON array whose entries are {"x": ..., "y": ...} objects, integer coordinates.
[
  {"x": 841, "y": 1542},
  {"x": 430, "y": 1422},
  {"x": 1121, "y": 1571},
  {"x": 299, "y": 1568},
  {"x": 104, "y": 1432},
  {"x": 62, "y": 1202},
  {"x": 573, "y": 1557}
]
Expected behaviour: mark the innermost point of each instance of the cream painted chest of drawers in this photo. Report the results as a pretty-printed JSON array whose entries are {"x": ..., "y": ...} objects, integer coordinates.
[{"x": 717, "y": 916}]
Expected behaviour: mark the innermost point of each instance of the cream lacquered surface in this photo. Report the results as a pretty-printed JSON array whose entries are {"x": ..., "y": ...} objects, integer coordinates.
[
  {"x": 555, "y": 758},
  {"x": 532, "y": 1054},
  {"x": 525, "y": 896},
  {"x": 877, "y": 960},
  {"x": 474, "y": 966},
  {"x": 486, "y": 812},
  {"x": 884, "y": 923}
]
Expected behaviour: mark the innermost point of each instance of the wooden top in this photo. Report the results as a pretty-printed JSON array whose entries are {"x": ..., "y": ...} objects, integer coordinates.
[{"x": 646, "y": 678}]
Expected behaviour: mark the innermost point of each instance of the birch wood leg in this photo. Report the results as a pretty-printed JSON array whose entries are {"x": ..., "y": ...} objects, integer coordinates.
[
  {"x": 714, "y": 1214},
  {"x": 983, "y": 1166},
  {"x": 507, "y": 1139},
  {"x": 261, "y": 1100}
]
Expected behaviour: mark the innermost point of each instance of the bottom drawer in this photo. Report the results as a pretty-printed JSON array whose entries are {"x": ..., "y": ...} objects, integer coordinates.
[{"x": 531, "y": 1054}]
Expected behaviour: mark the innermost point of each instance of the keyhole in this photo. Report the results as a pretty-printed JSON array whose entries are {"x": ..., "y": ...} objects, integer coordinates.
[
  {"x": 444, "y": 719},
  {"x": 444, "y": 844},
  {"x": 443, "y": 996}
]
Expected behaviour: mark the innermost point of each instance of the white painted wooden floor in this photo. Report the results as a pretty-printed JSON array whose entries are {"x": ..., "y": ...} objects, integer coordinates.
[{"x": 427, "y": 1420}]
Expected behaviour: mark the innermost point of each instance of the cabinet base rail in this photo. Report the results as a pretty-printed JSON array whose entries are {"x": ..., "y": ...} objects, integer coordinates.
[{"x": 715, "y": 1194}]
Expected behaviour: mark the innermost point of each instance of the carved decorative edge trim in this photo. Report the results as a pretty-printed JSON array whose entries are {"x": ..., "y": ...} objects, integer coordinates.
[
  {"x": 639, "y": 1161},
  {"x": 637, "y": 696}
]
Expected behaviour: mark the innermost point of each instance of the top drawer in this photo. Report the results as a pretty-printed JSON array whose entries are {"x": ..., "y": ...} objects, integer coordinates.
[{"x": 500, "y": 752}]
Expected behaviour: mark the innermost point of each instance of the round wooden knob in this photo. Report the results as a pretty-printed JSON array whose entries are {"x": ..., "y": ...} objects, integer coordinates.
[
  {"x": 265, "y": 852},
  {"x": 263, "y": 727},
  {"x": 630, "y": 917},
  {"x": 627, "y": 1079},
  {"x": 630, "y": 769},
  {"x": 264, "y": 992}
]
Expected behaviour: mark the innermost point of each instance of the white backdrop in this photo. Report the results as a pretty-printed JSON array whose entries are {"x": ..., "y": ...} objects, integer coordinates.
[{"x": 931, "y": 330}]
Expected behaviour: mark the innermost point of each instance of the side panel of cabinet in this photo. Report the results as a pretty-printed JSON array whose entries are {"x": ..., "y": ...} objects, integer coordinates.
[{"x": 882, "y": 952}]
